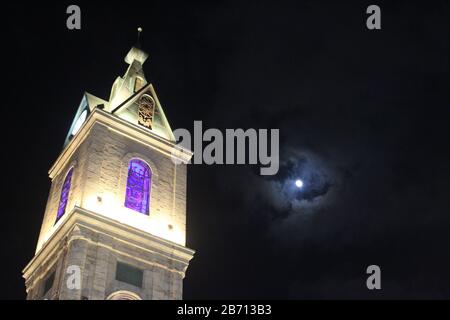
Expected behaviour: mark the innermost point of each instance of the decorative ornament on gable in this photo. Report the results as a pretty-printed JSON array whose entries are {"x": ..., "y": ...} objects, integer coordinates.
[{"x": 146, "y": 111}]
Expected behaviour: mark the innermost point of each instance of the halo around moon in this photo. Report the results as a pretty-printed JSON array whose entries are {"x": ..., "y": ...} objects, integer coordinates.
[{"x": 299, "y": 183}]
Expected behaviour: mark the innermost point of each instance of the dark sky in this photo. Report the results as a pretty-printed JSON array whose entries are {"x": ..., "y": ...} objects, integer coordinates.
[{"x": 363, "y": 117}]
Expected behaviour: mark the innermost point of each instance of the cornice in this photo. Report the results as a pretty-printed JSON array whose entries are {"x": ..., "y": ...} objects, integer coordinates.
[{"x": 123, "y": 127}]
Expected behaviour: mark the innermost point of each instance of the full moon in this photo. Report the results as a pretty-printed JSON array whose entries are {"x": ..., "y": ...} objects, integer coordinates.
[{"x": 299, "y": 184}]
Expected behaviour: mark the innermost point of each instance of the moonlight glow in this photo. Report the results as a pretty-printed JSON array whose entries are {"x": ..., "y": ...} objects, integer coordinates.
[{"x": 299, "y": 184}]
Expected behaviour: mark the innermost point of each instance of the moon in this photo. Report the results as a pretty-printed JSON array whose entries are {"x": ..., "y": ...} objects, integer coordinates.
[{"x": 299, "y": 183}]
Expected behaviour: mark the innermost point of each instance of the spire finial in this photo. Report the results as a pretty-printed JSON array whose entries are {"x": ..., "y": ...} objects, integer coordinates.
[{"x": 138, "y": 44}]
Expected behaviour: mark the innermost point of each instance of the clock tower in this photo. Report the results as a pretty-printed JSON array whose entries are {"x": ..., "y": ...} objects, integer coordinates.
[{"x": 115, "y": 221}]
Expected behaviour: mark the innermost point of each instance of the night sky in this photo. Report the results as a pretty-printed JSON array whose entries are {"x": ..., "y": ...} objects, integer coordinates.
[{"x": 363, "y": 118}]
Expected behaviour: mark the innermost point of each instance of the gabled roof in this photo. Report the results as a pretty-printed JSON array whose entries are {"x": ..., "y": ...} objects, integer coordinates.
[
  {"x": 88, "y": 102},
  {"x": 123, "y": 101},
  {"x": 128, "y": 111}
]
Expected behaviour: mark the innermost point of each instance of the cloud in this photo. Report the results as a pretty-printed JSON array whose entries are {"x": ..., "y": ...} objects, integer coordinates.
[{"x": 363, "y": 126}]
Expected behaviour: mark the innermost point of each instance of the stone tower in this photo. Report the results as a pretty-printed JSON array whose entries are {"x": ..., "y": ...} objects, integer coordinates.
[{"x": 115, "y": 221}]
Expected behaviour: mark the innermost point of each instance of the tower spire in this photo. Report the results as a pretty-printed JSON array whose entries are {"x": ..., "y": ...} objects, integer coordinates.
[{"x": 138, "y": 43}]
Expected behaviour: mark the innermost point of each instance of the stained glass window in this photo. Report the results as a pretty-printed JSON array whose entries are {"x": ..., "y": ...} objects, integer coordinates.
[
  {"x": 64, "y": 195},
  {"x": 137, "y": 197}
]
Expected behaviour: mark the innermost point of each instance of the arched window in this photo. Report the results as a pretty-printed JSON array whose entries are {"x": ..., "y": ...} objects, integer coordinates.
[
  {"x": 123, "y": 295},
  {"x": 137, "y": 197},
  {"x": 64, "y": 195},
  {"x": 138, "y": 84}
]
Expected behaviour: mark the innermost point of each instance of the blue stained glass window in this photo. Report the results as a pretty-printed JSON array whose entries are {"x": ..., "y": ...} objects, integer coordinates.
[
  {"x": 64, "y": 195},
  {"x": 137, "y": 197}
]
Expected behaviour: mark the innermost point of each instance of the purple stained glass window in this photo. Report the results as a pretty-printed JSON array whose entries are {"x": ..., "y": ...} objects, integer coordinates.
[
  {"x": 64, "y": 195},
  {"x": 137, "y": 197}
]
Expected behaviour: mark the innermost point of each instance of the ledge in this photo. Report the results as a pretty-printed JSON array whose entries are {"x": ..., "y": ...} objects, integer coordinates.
[{"x": 121, "y": 232}]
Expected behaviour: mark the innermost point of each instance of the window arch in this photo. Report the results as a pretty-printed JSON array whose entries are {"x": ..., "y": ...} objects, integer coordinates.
[
  {"x": 64, "y": 195},
  {"x": 137, "y": 195},
  {"x": 138, "y": 84},
  {"x": 123, "y": 295}
]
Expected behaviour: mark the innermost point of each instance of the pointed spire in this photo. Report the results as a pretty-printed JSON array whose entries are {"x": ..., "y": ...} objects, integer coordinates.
[
  {"x": 138, "y": 42},
  {"x": 136, "y": 52}
]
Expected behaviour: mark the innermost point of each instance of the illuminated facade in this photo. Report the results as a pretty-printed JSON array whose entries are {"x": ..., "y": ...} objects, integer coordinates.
[{"x": 115, "y": 222}]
